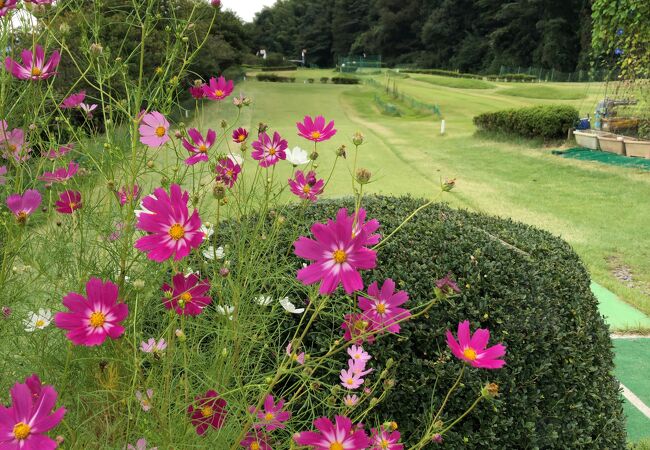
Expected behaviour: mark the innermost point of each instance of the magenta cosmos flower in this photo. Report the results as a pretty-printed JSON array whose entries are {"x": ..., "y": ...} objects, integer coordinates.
[
  {"x": 92, "y": 319},
  {"x": 338, "y": 255},
  {"x": 218, "y": 89},
  {"x": 6, "y": 5},
  {"x": 61, "y": 151},
  {"x": 272, "y": 416},
  {"x": 306, "y": 187},
  {"x": 385, "y": 440},
  {"x": 472, "y": 349},
  {"x": 256, "y": 440},
  {"x": 153, "y": 129},
  {"x": 24, "y": 423},
  {"x": 356, "y": 326},
  {"x": 239, "y": 135},
  {"x": 172, "y": 230},
  {"x": 334, "y": 436},
  {"x": 382, "y": 307},
  {"x": 268, "y": 152},
  {"x": 74, "y": 100},
  {"x": 61, "y": 174},
  {"x": 227, "y": 171},
  {"x": 69, "y": 202},
  {"x": 127, "y": 195},
  {"x": 315, "y": 129},
  {"x": 199, "y": 146},
  {"x": 34, "y": 66},
  {"x": 197, "y": 92},
  {"x": 186, "y": 296},
  {"x": 24, "y": 205},
  {"x": 208, "y": 411}
]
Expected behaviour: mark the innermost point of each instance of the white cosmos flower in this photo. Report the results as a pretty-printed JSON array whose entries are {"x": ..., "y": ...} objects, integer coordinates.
[
  {"x": 39, "y": 320},
  {"x": 263, "y": 300},
  {"x": 207, "y": 229},
  {"x": 297, "y": 156},
  {"x": 210, "y": 253},
  {"x": 226, "y": 311},
  {"x": 290, "y": 307}
]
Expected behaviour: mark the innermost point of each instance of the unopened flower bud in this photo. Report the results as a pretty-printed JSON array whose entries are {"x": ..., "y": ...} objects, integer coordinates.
[
  {"x": 110, "y": 185},
  {"x": 219, "y": 191},
  {"x": 185, "y": 39},
  {"x": 437, "y": 438},
  {"x": 313, "y": 156},
  {"x": 224, "y": 351},
  {"x": 6, "y": 312},
  {"x": 150, "y": 164},
  {"x": 178, "y": 134},
  {"x": 224, "y": 124},
  {"x": 64, "y": 28},
  {"x": 107, "y": 146},
  {"x": 224, "y": 272},
  {"x": 32, "y": 126},
  {"x": 138, "y": 284},
  {"x": 215, "y": 3},
  {"x": 180, "y": 335},
  {"x": 341, "y": 151},
  {"x": 490, "y": 390},
  {"x": 363, "y": 176},
  {"x": 262, "y": 127},
  {"x": 96, "y": 49},
  {"x": 59, "y": 439},
  {"x": 164, "y": 181},
  {"x": 357, "y": 138}
]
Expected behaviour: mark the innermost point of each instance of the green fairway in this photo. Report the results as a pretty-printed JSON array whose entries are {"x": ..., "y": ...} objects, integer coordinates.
[
  {"x": 632, "y": 369},
  {"x": 459, "y": 83},
  {"x": 594, "y": 207},
  {"x": 545, "y": 92}
]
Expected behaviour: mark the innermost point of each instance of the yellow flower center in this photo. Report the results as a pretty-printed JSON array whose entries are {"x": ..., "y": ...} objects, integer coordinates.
[
  {"x": 218, "y": 93},
  {"x": 207, "y": 411},
  {"x": 203, "y": 148},
  {"x": 21, "y": 431},
  {"x": 269, "y": 416},
  {"x": 384, "y": 443},
  {"x": 229, "y": 173},
  {"x": 272, "y": 151},
  {"x": 21, "y": 217},
  {"x": 72, "y": 205},
  {"x": 381, "y": 308},
  {"x": 12, "y": 147},
  {"x": 306, "y": 189},
  {"x": 315, "y": 134},
  {"x": 40, "y": 323},
  {"x": 255, "y": 446},
  {"x": 176, "y": 232},
  {"x": 339, "y": 256},
  {"x": 469, "y": 353},
  {"x": 186, "y": 297},
  {"x": 36, "y": 71},
  {"x": 350, "y": 381},
  {"x": 241, "y": 137},
  {"x": 97, "y": 319},
  {"x": 2, "y": 3},
  {"x": 336, "y": 446},
  {"x": 160, "y": 131}
]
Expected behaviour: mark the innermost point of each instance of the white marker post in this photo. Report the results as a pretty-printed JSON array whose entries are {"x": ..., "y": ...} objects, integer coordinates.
[{"x": 442, "y": 127}]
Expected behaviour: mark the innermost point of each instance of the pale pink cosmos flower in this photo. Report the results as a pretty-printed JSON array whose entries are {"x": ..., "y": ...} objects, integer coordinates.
[
  {"x": 60, "y": 175},
  {"x": 352, "y": 377},
  {"x": 6, "y": 6},
  {"x": 153, "y": 129},
  {"x": 298, "y": 357},
  {"x": 34, "y": 66},
  {"x": 341, "y": 435},
  {"x": 382, "y": 307},
  {"x": 472, "y": 349},
  {"x": 145, "y": 399},
  {"x": 73, "y": 101},
  {"x": 272, "y": 416},
  {"x": 350, "y": 400},
  {"x": 199, "y": 146},
  {"x": 385, "y": 440},
  {"x": 141, "y": 444},
  {"x": 357, "y": 353},
  {"x": 24, "y": 205},
  {"x": 151, "y": 346},
  {"x": 218, "y": 89},
  {"x": 315, "y": 129},
  {"x": 88, "y": 109},
  {"x": 13, "y": 144},
  {"x": 269, "y": 151},
  {"x": 61, "y": 151}
]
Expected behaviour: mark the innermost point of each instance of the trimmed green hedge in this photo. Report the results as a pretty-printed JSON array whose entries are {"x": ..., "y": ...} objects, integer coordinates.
[
  {"x": 513, "y": 77},
  {"x": 278, "y": 68},
  {"x": 546, "y": 121},
  {"x": 345, "y": 80},
  {"x": 274, "y": 78},
  {"x": 530, "y": 289},
  {"x": 444, "y": 73}
]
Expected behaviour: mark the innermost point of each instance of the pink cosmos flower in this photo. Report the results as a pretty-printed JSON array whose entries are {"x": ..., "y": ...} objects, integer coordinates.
[
  {"x": 447, "y": 285},
  {"x": 93, "y": 318},
  {"x": 172, "y": 230},
  {"x": 337, "y": 253},
  {"x": 272, "y": 416},
  {"x": 3, "y": 172},
  {"x": 368, "y": 227},
  {"x": 69, "y": 202},
  {"x": 209, "y": 410},
  {"x": 126, "y": 195},
  {"x": 187, "y": 296},
  {"x": 385, "y": 440},
  {"x": 357, "y": 353},
  {"x": 140, "y": 445},
  {"x": 88, "y": 109},
  {"x": 73, "y": 101},
  {"x": 151, "y": 346},
  {"x": 218, "y": 89},
  {"x": 153, "y": 129},
  {"x": 315, "y": 129},
  {"x": 197, "y": 91},
  {"x": 24, "y": 423},
  {"x": 61, "y": 174},
  {"x": 351, "y": 400},
  {"x": 227, "y": 171},
  {"x": 383, "y": 307},
  {"x": 34, "y": 66},
  {"x": 24, "y": 205},
  {"x": 306, "y": 187},
  {"x": 239, "y": 135},
  {"x": 298, "y": 357},
  {"x": 199, "y": 146},
  {"x": 145, "y": 399},
  {"x": 62, "y": 151},
  {"x": 268, "y": 152},
  {"x": 6, "y": 6},
  {"x": 355, "y": 326},
  {"x": 352, "y": 377},
  {"x": 256, "y": 441},
  {"x": 472, "y": 349},
  {"x": 338, "y": 436},
  {"x": 13, "y": 144}
]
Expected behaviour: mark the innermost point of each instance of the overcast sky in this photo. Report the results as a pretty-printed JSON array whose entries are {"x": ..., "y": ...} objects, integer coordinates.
[{"x": 246, "y": 9}]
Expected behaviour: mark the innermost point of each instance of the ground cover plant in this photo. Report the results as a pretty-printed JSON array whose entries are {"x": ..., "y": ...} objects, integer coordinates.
[{"x": 131, "y": 323}]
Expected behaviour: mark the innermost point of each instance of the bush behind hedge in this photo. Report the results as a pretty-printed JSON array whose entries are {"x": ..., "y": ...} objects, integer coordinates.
[
  {"x": 274, "y": 78},
  {"x": 531, "y": 290},
  {"x": 544, "y": 121}
]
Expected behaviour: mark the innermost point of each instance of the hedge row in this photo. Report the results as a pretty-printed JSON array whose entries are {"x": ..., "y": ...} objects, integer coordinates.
[
  {"x": 444, "y": 73},
  {"x": 530, "y": 289},
  {"x": 513, "y": 77},
  {"x": 274, "y": 78},
  {"x": 278, "y": 68},
  {"x": 545, "y": 121},
  {"x": 345, "y": 80}
]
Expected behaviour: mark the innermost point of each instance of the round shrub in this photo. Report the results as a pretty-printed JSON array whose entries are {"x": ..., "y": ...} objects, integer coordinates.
[
  {"x": 530, "y": 289},
  {"x": 545, "y": 121}
]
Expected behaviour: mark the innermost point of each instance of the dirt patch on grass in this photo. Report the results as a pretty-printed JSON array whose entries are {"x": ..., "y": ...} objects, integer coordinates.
[{"x": 625, "y": 275}]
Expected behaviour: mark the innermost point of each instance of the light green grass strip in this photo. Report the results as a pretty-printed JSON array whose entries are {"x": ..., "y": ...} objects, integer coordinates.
[{"x": 618, "y": 314}]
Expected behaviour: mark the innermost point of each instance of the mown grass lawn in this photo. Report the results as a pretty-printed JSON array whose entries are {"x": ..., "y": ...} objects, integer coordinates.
[{"x": 594, "y": 207}]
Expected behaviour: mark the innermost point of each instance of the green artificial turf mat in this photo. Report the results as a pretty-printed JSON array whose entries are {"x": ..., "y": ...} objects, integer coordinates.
[{"x": 585, "y": 154}]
